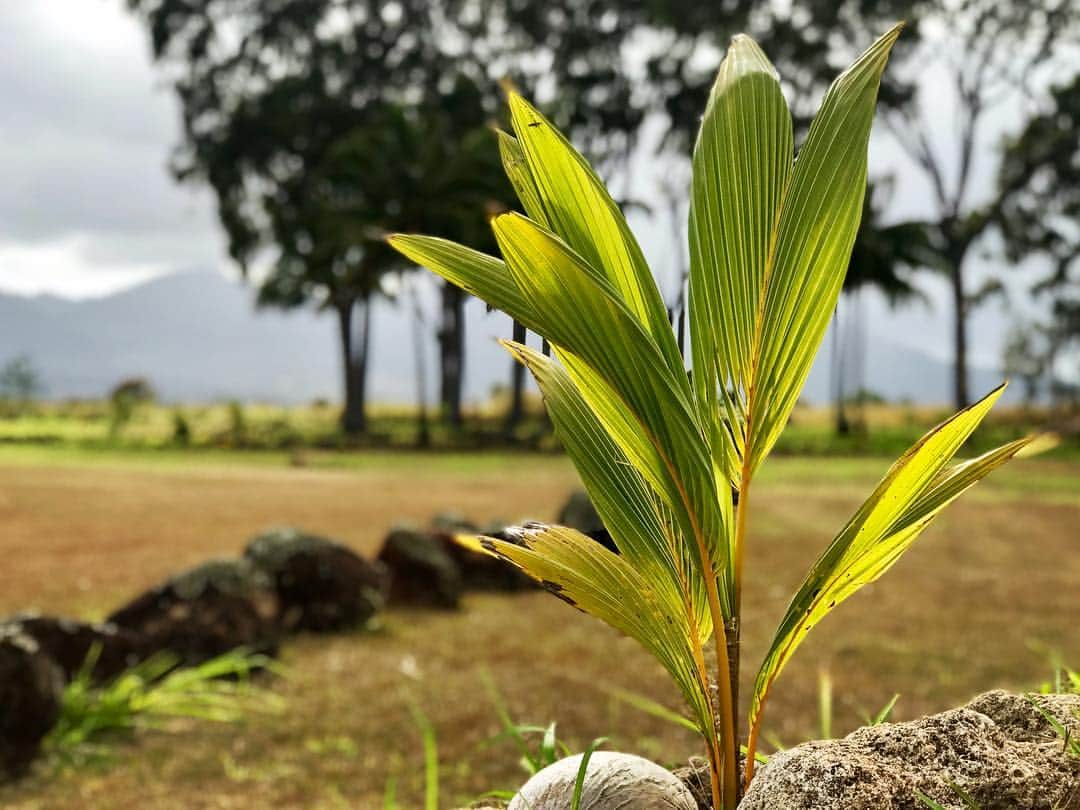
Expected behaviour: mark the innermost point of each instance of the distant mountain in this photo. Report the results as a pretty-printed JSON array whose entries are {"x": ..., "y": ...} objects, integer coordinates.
[{"x": 198, "y": 336}]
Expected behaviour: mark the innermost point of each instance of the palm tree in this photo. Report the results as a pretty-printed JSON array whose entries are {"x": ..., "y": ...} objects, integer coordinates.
[{"x": 409, "y": 171}]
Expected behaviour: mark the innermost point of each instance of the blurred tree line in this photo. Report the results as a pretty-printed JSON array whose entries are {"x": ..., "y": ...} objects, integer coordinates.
[{"x": 321, "y": 125}]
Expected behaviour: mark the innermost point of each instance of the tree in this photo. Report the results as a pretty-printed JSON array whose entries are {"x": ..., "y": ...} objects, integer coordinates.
[
  {"x": 1039, "y": 182},
  {"x": 268, "y": 88},
  {"x": 20, "y": 381},
  {"x": 1063, "y": 337},
  {"x": 125, "y": 397},
  {"x": 288, "y": 107},
  {"x": 1023, "y": 358},
  {"x": 978, "y": 54},
  {"x": 987, "y": 53},
  {"x": 517, "y": 383}
]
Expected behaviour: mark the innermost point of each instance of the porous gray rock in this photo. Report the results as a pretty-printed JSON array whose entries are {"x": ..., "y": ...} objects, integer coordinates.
[
  {"x": 613, "y": 781},
  {"x": 206, "y": 611},
  {"x": 71, "y": 643},
  {"x": 998, "y": 749},
  {"x": 422, "y": 572},
  {"x": 1015, "y": 716},
  {"x": 322, "y": 585},
  {"x": 31, "y": 684}
]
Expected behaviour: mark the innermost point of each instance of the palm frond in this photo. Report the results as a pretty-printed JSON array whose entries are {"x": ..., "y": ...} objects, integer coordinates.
[{"x": 905, "y": 502}]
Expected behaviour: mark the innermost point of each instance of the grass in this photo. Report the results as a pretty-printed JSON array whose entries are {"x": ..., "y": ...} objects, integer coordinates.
[
  {"x": 84, "y": 530},
  {"x": 152, "y": 695},
  {"x": 284, "y": 431}
]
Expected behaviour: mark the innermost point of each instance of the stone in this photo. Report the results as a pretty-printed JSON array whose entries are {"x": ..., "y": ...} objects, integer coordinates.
[
  {"x": 579, "y": 513},
  {"x": 450, "y": 522},
  {"x": 322, "y": 585},
  {"x": 481, "y": 572},
  {"x": 1000, "y": 753},
  {"x": 31, "y": 688},
  {"x": 613, "y": 781},
  {"x": 1020, "y": 721},
  {"x": 70, "y": 643},
  {"x": 216, "y": 607},
  {"x": 422, "y": 572}
]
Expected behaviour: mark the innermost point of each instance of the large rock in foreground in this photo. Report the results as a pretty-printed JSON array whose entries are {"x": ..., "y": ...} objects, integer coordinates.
[
  {"x": 71, "y": 643},
  {"x": 30, "y": 690},
  {"x": 998, "y": 749},
  {"x": 613, "y": 781},
  {"x": 422, "y": 572},
  {"x": 322, "y": 585},
  {"x": 209, "y": 610}
]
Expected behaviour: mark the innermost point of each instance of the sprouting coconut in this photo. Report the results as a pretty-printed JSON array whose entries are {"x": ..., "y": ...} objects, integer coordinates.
[{"x": 613, "y": 781}]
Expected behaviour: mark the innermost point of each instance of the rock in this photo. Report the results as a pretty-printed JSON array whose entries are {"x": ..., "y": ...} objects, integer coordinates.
[
  {"x": 1020, "y": 721},
  {"x": 31, "y": 686},
  {"x": 579, "y": 513},
  {"x": 422, "y": 572},
  {"x": 481, "y": 572},
  {"x": 450, "y": 522},
  {"x": 994, "y": 749},
  {"x": 209, "y": 610},
  {"x": 69, "y": 643},
  {"x": 613, "y": 781},
  {"x": 321, "y": 585}
]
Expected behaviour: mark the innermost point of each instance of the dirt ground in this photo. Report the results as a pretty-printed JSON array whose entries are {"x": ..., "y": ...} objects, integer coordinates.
[{"x": 977, "y": 604}]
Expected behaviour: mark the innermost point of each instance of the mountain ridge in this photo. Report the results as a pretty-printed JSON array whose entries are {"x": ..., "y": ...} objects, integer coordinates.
[{"x": 198, "y": 336}]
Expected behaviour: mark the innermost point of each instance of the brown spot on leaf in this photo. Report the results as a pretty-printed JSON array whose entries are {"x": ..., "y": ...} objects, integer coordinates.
[{"x": 558, "y": 590}]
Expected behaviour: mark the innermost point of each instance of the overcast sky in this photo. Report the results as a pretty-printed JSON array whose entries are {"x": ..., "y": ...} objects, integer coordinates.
[{"x": 87, "y": 205}]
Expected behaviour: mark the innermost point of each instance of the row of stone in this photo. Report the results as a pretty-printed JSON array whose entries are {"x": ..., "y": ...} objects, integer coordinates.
[{"x": 285, "y": 582}]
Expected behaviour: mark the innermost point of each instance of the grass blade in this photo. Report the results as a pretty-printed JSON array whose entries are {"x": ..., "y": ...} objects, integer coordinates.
[{"x": 579, "y": 781}]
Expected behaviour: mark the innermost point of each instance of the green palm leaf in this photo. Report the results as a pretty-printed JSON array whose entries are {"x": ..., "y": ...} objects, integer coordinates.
[
  {"x": 668, "y": 460},
  {"x": 562, "y": 192},
  {"x": 583, "y": 573},
  {"x": 770, "y": 240},
  {"x": 741, "y": 169},
  {"x": 640, "y": 525},
  {"x": 909, "y": 497},
  {"x": 647, "y": 408}
]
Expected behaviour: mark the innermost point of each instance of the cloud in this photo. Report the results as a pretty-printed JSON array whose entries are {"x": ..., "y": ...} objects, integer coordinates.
[{"x": 87, "y": 203}]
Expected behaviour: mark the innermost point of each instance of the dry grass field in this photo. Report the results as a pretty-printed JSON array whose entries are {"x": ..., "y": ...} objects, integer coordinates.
[{"x": 975, "y": 605}]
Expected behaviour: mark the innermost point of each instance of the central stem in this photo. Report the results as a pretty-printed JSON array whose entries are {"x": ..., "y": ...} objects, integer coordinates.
[
  {"x": 729, "y": 745},
  {"x": 742, "y": 500}
]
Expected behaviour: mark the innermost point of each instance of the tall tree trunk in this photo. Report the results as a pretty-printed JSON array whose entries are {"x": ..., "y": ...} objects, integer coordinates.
[
  {"x": 517, "y": 384},
  {"x": 843, "y": 426},
  {"x": 861, "y": 340},
  {"x": 355, "y": 339},
  {"x": 452, "y": 354},
  {"x": 423, "y": 432},
  {"x": 960, "y": 369}
]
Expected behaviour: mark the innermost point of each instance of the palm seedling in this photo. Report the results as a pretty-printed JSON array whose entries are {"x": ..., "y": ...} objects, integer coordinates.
[{"x": 668, "y": 456}]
